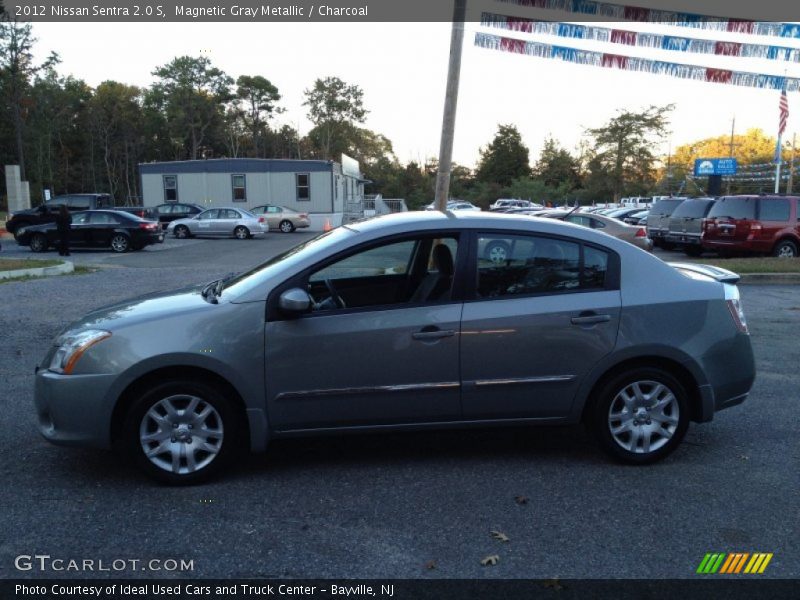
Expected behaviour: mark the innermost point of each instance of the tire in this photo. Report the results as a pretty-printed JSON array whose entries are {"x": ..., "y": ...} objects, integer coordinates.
[
  {"x": 241, "y": 232},
  {"x": 497, "y": 252},
  {"x": 178, "y": 455},
  {"x": 286, "y": 226},
  {"x": 785, "y": 249},
  {"x": 181, "y": 232},
  {"x": 39, "y": 243},
  {"x": 692, "y": 251},
  {"x": 120, "y": 243},
  {"x": 629, "y": 437}
]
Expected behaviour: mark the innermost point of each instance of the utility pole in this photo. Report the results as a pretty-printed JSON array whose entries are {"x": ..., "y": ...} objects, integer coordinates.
[
  {"x": 791, "y": 167},
  {"x": 730, "y": 152},
  {"x": 450, "y": 103}
]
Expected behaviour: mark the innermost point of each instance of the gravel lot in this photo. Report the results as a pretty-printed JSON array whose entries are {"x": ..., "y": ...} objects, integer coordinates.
[{"x": 385, "y": 505}]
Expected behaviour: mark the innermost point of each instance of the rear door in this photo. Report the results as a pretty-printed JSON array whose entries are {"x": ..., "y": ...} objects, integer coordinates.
[
  {"x": 226, "y": 222},
  {"x": 535, "y": 323},
  {"x": 100, "y": 228},
  {"x": 774, "y": 216}
]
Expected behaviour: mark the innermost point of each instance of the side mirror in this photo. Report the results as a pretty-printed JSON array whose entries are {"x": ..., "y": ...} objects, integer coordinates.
[{"x": 295, "y": 300}]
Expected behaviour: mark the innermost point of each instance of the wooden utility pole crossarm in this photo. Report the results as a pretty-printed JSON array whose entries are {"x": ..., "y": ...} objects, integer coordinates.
[{"x": 450, "y": 103}]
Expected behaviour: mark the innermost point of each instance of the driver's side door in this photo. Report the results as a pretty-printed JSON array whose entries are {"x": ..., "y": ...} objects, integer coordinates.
[{"x": 381, "y": 359}]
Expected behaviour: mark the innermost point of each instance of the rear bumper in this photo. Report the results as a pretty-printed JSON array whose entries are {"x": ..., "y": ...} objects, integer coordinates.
[
  {"x": 734, "y": 245},
  {"x": 687, "y": 239},
  {"x": 731, "y": 372}
]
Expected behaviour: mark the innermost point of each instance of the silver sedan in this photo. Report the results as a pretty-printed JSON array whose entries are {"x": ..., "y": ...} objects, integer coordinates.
[
  {"x": 220, "y": 222},
  {"x": 407, "y": 321}
]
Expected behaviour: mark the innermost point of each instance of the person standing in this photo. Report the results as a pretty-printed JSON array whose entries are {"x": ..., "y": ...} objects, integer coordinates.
[{"x": 63, "y": 222}]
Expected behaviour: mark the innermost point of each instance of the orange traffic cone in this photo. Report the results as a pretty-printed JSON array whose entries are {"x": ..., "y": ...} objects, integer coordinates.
[{"x": 327, "y": 226}]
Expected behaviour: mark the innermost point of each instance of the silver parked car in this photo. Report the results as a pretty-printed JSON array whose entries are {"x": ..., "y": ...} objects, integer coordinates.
[
  {"x": 406, "y": 321},
  {"x": 220, "y": 222}
]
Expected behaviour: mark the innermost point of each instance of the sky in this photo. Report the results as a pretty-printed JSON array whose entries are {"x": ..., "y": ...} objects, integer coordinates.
[{"x": 402, "y": 68}]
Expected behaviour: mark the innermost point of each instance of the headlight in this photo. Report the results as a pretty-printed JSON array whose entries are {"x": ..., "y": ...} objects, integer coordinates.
[
  {"x": 21, "y": 230},
  {"x": 71, "y": 347}
]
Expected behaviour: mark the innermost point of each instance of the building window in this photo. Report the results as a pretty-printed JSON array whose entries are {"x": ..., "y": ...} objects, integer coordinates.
[
  {"x": 170, "y": 188},
  {"x": 239, "y": 188},
  {"x": 303, "y": 186}
]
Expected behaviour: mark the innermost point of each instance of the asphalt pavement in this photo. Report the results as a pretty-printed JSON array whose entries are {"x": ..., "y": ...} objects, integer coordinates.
[{"x": 419, "y": 505}]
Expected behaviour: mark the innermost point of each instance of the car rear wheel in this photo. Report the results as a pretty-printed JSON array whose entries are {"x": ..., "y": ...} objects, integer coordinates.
[
  {"x": 38, "y": 242},
  {"x": 641, "y": 416},
  {"x": 181, "y": 232},
  {"x": 286, "y": 226},
  {"x": 785, "y": 249},
  {"x": 241, "y": 233},
  {"x": 120, "y": 243},
  {"x": 182, "y": 432}
]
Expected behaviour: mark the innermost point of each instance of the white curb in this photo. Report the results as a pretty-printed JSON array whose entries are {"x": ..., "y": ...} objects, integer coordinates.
[{"x": 64, "y": 267}]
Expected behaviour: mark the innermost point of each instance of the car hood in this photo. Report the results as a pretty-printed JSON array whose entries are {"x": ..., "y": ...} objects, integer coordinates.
[{"x": 145, "y": 308}]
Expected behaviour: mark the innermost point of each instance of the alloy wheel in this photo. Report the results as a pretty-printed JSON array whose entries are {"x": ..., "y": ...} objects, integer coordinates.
[{"x": 120, "y": 243}]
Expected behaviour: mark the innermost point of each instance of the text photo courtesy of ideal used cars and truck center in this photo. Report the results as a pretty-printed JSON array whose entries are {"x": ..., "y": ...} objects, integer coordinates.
[{"x": 371, "y": 299}]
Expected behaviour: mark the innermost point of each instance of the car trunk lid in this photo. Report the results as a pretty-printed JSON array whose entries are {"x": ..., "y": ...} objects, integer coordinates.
[{"x": 696, "y": 270}]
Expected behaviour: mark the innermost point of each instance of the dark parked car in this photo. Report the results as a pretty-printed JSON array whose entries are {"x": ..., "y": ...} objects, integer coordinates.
[
  {"x": 118, "y": 230},
  {"x": 754, "y": 224},
  {"x": 405, "y": 322},
  {"x": 686, "y": 225},
  {"x": 658, "y": 221},
  {"x": 172, "y": 211},
  {"x": 46, "y": 212}
]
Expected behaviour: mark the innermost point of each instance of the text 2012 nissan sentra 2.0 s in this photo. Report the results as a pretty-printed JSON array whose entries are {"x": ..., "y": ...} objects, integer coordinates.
[{"x": 407, "y": 321}]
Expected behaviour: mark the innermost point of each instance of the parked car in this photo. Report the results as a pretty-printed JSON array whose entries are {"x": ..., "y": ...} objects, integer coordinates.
[
  {"x": 455, "y": 205},
  {"x": 658, "y": 220},
  {"x": 503, "y": 203},
  {"x": 220, "y": 222},
  {"x": 118, "y": 230},
  {"x": 172, "y": 211},
  {"x": 637, "y": 218},
  {"x": 281, "y": 218},
  {"x": 622, "y": 213},
  {"x": 630, "y": 233},
  {"x": 46, "y": 212},
  {"x": 571, "y": 326},
  {"x": 686, "y": 225},
  {"x": 767, "y": 224}
]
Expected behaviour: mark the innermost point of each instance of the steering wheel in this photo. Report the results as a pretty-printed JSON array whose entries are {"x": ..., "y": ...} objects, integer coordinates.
[{"x": 334, "y": 294}]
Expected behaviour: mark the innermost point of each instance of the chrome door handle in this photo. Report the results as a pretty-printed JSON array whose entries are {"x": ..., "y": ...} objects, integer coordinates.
[
  {"x": 590, "y": 319},
  {"x": 433, "y": 334}
]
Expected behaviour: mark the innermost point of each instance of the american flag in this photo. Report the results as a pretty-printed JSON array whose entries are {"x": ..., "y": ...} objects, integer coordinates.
[{"x": 783, "y": 116}]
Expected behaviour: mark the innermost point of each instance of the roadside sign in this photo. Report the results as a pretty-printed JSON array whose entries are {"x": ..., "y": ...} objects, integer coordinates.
[{"x": 715, "y": 166}]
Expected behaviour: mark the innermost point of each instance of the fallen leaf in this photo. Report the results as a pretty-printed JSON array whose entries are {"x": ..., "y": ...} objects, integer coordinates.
[
  {"x": 553, "y": 584},
  {"x": 744, "y": 457},
  {"x": 490, "y": 560},
  {"x": 521, "y": 499},
  {"x": 430, "y": 565},
  {"x": 499, "y": 535}
]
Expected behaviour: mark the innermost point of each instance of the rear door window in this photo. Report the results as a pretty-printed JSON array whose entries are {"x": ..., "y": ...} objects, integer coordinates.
[
  {"x": 774, "y": 209},
  {"x": 734, "y": 208}
]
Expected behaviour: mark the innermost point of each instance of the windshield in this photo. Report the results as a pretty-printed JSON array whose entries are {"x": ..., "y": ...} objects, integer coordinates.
[{"x": 252, "y": 278}]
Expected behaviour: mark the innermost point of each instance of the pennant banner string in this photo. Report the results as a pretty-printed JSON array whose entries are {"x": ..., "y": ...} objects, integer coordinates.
[
  {"x": 642, "y": 40},
  {"x": 622, "y": 12},
  {"x": 631, "y": 63}
]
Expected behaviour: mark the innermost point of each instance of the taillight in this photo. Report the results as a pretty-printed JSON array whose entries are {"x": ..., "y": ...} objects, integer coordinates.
[
  {"x": 735, "y": 306},
  {"x": 755, "y": 227},
  {"x": 260, "y": 219},
  {"x": 303, "y": 215},
  {"x": 148, "y": 226},
  {"x": 641, "y": 233}
]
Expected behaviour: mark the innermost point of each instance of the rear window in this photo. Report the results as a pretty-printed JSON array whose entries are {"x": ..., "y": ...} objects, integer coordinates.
[
  {"x": 693, "y": 208},
  {"x": 734, "y": 208},
  {"x": 665, "y": 207},
  {"x": 774, "y": 209}
]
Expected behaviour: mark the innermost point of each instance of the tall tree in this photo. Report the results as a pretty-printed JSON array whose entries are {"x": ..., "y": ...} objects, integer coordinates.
[
  {"x": 556, "y": 167},
  {"x": 192, "y": 94},
  {"x": 505, "y": 158},
  {"x": 260, "y": 97},
  {"x": 626, "y": 145},
  {"x": 333, "y": 107},
  {"x": 17, "y": 69}
]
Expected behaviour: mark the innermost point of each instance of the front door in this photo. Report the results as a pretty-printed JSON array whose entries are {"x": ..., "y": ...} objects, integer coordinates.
[
  {"x": 544, "y": 311},
  {"x": 380, "y": 348}
]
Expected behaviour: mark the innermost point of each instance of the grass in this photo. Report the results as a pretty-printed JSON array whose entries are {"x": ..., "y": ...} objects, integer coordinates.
[
  {"x": 79, "y": 270},
  {"x": 13, "y": 264},
  {"x": 753, "y": 265}
]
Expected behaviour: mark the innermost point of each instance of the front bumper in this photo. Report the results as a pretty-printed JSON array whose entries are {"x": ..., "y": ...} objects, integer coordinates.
[{"x": 73, "y": 410}]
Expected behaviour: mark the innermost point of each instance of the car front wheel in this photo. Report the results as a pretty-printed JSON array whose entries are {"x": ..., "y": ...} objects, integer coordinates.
[
  {"x": 181, "y": 232},
  {"x": 181, "y": 432},
  {"x": 641, "y": 416},
  {"x": 38, "y": 243}
]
